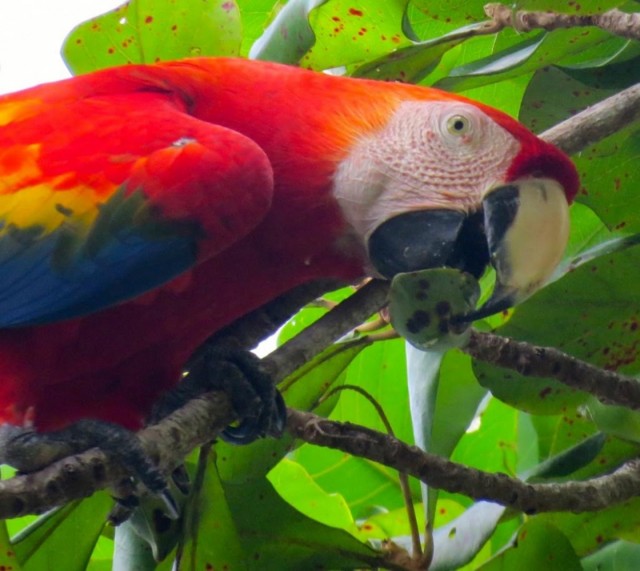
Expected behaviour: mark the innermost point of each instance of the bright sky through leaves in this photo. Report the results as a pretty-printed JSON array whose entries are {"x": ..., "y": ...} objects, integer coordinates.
[{"x": 31, "y": 34}]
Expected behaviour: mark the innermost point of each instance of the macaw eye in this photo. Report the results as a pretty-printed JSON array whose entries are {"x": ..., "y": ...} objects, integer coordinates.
[{"x": 458, "y": 125}]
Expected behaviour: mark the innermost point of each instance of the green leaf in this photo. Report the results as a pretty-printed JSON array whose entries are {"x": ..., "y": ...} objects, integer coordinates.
[
  {"x": 571, "y": 460},
  {"x": 289, "y": 36},
  {"x": 452, "y": 12},
  {"x": 132, "y": 552},
  {"x": 422, "y": 377},
  {"x": 616, "y": 420},
  {"x": 277, "y": 537},
  {"x": 212, "y": 540},
  {"x": 533, "y": 53},
  {"x": 538, "y": 546},
  {"x": 349, "y": 33},
  {"x": 590, "y": 531},
  {"x": 45, "y": 544},
  {"x": 145, "y": 31},
  {"x": 255, "y": 14},
  {"x": 365, "y": 485},
  {"x": 412, "y": 63},
  {"x": 8, "y": 557},
  {"x": 554, "y": 94},
  {"x": 590, "y": 313},
  {"x": 493, "y": 443},
  {"x": 458, "y": 399},
  {"x": 296, "y": 487},
  {"x": 617, "y": 556},
  {"x": 459, "y": 541},
  {"x": 610, "y": 180},
  {"x": 422, "y": 305}
]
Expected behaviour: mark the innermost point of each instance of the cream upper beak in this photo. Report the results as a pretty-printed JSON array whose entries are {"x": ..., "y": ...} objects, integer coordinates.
[{"x": 527, "y": 225}]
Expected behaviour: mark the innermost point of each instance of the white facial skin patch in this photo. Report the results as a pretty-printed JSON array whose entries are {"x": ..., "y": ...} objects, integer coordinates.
[{"x": 429, "y": 155}]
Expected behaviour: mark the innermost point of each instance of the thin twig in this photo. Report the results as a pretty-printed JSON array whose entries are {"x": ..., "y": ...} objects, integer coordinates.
[{"x": 402, "y": 476}]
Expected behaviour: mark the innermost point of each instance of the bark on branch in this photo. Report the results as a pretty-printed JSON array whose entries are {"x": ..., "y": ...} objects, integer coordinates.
[
  {"x": 437, "y": 472},
  {"x": 614, "y": 21}
]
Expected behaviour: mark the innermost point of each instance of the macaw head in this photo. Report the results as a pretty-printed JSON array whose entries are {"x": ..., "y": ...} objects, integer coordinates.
[{"x": 453, "y": 183}]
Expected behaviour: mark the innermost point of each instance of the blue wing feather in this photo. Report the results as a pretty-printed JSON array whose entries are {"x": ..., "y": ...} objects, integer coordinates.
[{"x": 44, "y": 279}]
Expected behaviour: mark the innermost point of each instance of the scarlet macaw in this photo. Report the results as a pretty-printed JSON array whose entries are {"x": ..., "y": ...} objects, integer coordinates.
[{"x": 143, "y": 208}]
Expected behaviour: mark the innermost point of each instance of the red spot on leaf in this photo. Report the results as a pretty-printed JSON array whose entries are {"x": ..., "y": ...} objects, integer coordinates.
[
  {"x": 356, "y": 12},
  {"x": 599, "y": 539},
  {"x": 111, "y": 50},
  {"x": 544, "y": 392},
  {"x": 148, "y": 20},
  {"x": 228, "y": 6}
]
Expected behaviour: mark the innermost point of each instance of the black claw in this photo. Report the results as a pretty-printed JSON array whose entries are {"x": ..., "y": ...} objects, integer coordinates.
[
  {"x": 253, "y": 396},
  {"x": 28, "y": 451},
  {"x": 172, "y": 509},
  {"x": 180, "y": 478}
]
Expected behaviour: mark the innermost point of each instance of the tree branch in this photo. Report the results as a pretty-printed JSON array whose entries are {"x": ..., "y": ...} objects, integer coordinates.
[
  {"x": 438, "y": 472},
  {"x": 530, "y": 360},
  {"x": 614, "y": 21}
]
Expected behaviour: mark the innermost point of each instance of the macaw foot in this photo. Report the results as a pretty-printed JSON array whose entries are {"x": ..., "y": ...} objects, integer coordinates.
[
  {"x": 253, "y": 395},
  {"x": 29, "y": 451}
]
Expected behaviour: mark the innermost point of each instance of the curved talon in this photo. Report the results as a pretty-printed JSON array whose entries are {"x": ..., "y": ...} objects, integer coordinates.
[
  {"x": 253, "y": 396},
  {"x": 271, "y": 422},
  {"x": 173, "y": 511},
  {"x": 28, "y": 451}
]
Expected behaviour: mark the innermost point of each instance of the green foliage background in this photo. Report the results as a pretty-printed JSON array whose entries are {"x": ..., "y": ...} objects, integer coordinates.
[{"x": 264, "y": 507}]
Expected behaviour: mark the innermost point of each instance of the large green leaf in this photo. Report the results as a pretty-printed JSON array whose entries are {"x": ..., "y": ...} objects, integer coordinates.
[
  {"x": 211, "y": 538},
  {"x": 610, "y": 180},
  {"x": 459, "y": 541},
  {"x": 64, "y": 538},
  {"x": 289, "y": 36},
  {"x": 350, "y": 33},
  {"x": 365, "y": 485},
  {"x": 590, "y": 531},
  {"x": 616, "y": 556},
  {"x": 536, "y": 51},
  {"x": 411, "y": 63},
  {"x": 247, "y": 525},
  {"x": 538, "y": 546},
  {"x": 145, "y": 31},
  {"x": 554, "y": 93},
  {"x": 591, "y": 313},
  {"x": 8, "y": 558},
  {"x": 277, "y": 537}
]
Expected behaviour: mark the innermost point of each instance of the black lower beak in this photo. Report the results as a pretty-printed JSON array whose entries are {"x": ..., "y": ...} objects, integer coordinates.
[{"x": 425, "y": 239}]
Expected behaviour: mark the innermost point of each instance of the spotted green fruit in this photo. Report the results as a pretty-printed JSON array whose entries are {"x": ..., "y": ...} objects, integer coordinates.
[{"x": 425, "y": 305}]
